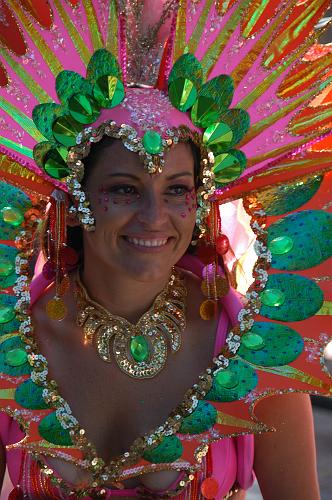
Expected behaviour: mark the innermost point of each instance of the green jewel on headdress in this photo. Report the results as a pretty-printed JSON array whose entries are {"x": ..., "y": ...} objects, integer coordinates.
[
  {"x": 209, "y": 104},
  {"x": 82, "y": 100}
]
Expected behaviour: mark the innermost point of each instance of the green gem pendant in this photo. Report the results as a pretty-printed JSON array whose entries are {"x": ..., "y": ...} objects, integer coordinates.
[
  {"x": 152, "y": 142},
  {"x": 139, "y": 348}
]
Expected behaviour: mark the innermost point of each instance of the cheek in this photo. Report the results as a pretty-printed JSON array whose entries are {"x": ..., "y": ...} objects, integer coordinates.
[
  {"x": 106, "y": 200},
  {"x": 190, "y": 205}
]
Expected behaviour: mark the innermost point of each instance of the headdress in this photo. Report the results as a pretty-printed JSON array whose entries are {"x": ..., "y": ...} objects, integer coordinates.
[{"x": 67, "y": 76}]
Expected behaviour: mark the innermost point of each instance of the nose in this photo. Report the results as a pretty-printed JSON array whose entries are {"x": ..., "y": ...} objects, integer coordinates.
[{"x": 153, "y": 210}]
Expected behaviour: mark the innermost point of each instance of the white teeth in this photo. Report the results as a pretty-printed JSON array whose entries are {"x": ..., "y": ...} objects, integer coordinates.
[{"x": 147, "y": 243}]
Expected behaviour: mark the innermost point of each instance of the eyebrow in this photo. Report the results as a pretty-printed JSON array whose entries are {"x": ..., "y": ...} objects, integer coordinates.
[{"x": 135, "y": 177}]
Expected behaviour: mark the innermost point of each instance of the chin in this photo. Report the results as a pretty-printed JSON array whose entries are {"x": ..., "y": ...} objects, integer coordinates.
[{"x": 147, "y": 273}]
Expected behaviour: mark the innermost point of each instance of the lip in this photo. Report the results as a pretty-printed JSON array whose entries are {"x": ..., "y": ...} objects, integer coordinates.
[{"x": 147, "y": 249}]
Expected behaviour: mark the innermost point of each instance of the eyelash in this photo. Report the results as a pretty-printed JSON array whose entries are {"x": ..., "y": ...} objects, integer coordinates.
[{"x": 130, "y": 190}]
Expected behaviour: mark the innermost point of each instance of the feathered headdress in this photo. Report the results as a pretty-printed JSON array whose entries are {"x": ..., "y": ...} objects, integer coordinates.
[{"x": 73, "y": 71}]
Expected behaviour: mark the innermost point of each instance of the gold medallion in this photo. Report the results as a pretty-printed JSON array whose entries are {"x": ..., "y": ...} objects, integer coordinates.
[{"x": 56, "y": 309}]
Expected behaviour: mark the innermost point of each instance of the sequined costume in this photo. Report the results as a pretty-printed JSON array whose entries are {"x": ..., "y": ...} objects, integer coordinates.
[{"x": 250, "y": 86}]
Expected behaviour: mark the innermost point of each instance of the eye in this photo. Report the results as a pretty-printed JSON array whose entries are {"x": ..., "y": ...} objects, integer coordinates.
[
  {"x": 179, "y": 190},
  {"x": 123, "y": 189}
]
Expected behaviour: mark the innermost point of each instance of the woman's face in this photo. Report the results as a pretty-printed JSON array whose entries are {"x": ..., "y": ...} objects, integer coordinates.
[{"x": 144, "y": 223}]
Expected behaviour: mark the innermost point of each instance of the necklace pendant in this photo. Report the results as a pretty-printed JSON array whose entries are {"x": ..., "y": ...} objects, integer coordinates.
[{"x": 139, "y": 350}]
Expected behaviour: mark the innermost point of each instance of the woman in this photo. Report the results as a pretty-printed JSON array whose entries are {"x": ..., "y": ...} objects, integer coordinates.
[
  {"x": 140, "y": 235},
  {"x": 124, "y": 376}
]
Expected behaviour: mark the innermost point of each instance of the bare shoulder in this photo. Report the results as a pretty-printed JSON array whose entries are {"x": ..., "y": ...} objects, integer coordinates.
[{"x": 285, "y": 460}]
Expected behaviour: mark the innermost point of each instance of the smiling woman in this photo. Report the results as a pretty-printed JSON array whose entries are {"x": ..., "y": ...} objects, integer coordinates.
[{"x": 129, "y": 366}]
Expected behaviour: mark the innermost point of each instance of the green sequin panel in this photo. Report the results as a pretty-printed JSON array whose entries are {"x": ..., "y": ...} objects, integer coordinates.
[
  {"x": 44, "y": 115},
  {"x": 8, "y": 321},
  {"x": 55, "y": 163},
  {"x": 187, "y": 66},
  {"x": 289, "y": 297},
  {"x": 40, "y": 151},
  {"x": 29, "y": 395},
  {"x": 271, "y": 344},
  {"x": 202, "y": 418},
  {"x": 169, "y": 450},
  {"x": 238, "y": 121},
  {"x": 233, "y": 383},
  {"x": 65, "y": 130},
  {"x": 12, "y": 359},
  {"x": 108, "y": 91},
  {"x": 310, "y": 232},
  {"x": 281, "y": 199},
  {"x": 83, "y": 108},
  {"x": 184, "y": 81},
  {"x": 19, "y": 202},
  {"x": 69, "y": 83},
  {"x": 218, "y": 137},
  {"x": 214, "y": 97},
  {"x": 182, "y": 93},
  {"x": 102, "y": 63},
  {"x": 51, "y": 430},
  {"x": 228, "y": 166},
  {"x": 7, "y": 266}
]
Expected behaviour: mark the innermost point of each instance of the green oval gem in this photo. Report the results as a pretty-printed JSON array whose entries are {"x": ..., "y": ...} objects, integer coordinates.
[
  {"x": 65, "y": 130},
  {"x": 272, "y": 297},
  {"x": 152, "y": 142},
  {"x": 12, "y": 216},
  {"x": 182, "y": 93},
  {"x": 16, "y": 357},
  {"x": 253, "y": 341},
  {"x": 109, "y": 91},
  {"x": 83, "y": 108},
  {"x": 55, "y": 163},
  {"x": 6, "y": 268},
  {"x": 139, "y": 348},
  {"x": 227, "y": 378},
  {"x": 281, "y": 245},
  {"x": 7, "y": 313},
  {"x": 218, "y": 136}
]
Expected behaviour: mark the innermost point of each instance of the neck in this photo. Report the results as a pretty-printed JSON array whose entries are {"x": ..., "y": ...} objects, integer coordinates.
[{"x": 120, "y": 294}]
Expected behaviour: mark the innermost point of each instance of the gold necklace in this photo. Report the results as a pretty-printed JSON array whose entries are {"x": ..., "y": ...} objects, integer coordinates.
[{"x": 140, "y": 350}]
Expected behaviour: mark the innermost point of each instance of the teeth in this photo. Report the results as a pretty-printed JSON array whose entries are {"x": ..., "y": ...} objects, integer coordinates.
[{"x": 147, "y": 243}]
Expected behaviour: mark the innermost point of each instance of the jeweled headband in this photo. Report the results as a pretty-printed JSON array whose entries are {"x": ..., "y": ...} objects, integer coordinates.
[{"x": 147, "y": 120}]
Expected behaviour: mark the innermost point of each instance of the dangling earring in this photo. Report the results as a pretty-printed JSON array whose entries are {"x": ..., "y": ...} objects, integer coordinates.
[
  {"x": 59, "y": 255},
  {"x": 214, "y": 286}
]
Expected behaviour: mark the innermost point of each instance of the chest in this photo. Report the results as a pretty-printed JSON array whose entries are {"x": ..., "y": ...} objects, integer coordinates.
[{"x": 113, "y": 408}]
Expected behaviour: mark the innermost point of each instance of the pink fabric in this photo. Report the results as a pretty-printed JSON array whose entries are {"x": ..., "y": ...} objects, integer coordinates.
[{"x": 232, "y": 458}]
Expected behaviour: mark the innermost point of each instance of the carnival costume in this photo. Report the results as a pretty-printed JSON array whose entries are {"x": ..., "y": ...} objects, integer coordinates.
[{"x": 249, "y": 85}]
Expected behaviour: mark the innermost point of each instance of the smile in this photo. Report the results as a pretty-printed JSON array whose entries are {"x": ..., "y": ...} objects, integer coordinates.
[{"x": 151, "y": 243}]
